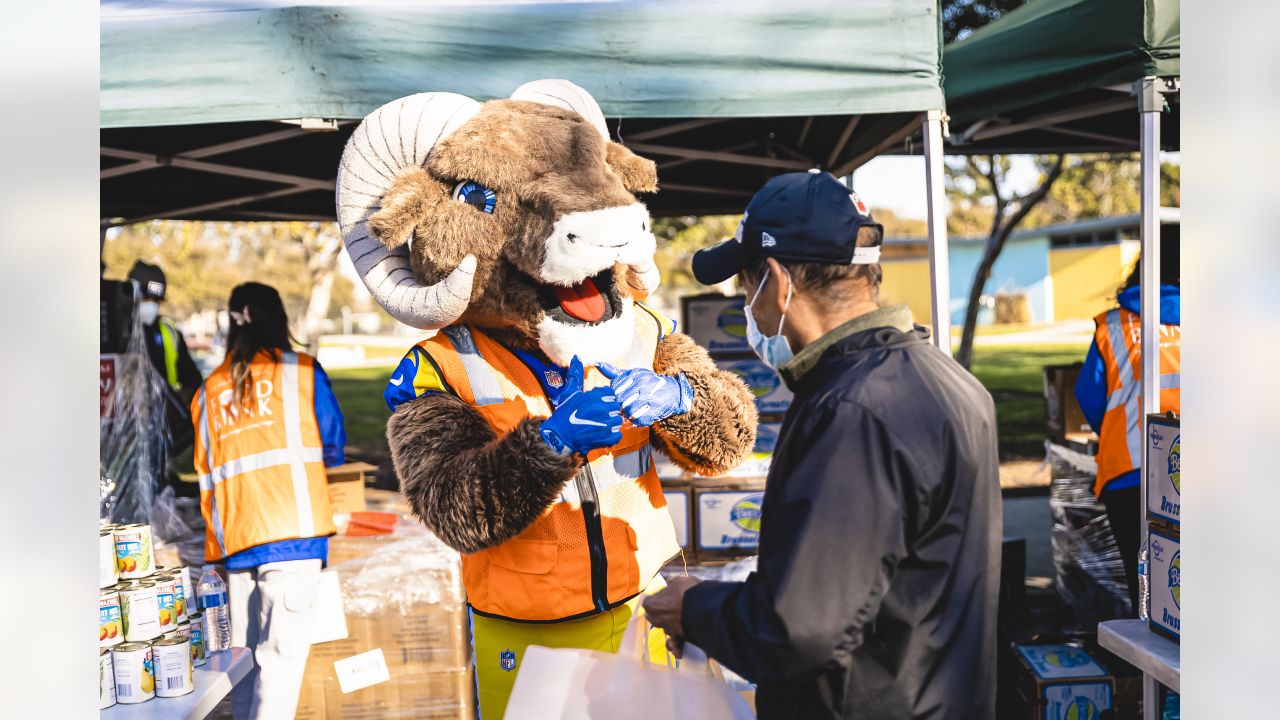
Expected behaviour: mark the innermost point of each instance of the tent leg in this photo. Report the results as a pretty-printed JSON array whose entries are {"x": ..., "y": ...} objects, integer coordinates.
[{"x": 939, "y": 272}]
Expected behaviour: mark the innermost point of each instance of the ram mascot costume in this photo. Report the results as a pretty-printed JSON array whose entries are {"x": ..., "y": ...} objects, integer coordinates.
[{"x": 523, "y": 430}]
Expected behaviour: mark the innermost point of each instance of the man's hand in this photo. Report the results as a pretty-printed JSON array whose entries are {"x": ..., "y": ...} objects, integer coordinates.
[
  {"x": 663, "y": 610},
  {"x": 648, "y": 397},
  {"x": 584, "y": 420}
]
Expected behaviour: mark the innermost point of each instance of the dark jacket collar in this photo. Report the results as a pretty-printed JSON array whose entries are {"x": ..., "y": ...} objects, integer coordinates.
[{"x": 892, "y": 316}]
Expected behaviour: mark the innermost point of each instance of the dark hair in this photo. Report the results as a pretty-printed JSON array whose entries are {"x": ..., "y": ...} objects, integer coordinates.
[
  {"x": 258, "y": 324},
  {"x": 827, "y": 279},
  {"x": 1170, "y": 260}
]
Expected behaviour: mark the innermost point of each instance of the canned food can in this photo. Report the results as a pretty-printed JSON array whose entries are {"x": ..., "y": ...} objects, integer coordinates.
[
  {"x": 180, "y": 602},
  {"x": 106, "y": 680},
  {"x": 132, "y": 664},
  {"x": 195, "y": 622},
  {"x": 141, "y": 612},
  {"x": 108, "y": 571},
  {"x": 183, "y": 631},
  {"x": 188, "y": 594},
  {"x": 166, "y": 597},
  {"x": 134, "y": 554},
  {"x": 110, "y": 619},
  {"x": 174, "y": 673}
]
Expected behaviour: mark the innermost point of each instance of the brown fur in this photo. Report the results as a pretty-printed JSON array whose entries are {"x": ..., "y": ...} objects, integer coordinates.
[
  {"x": 638, "y": 174},
  {"x": 717, "y": 434},
  {"x": 470, "y": 488}
]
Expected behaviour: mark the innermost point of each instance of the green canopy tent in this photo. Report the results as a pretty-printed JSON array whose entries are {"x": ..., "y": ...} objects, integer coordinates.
[
  {"x": 241, "y": 112},
  {"x": 1081, "y": 76}
]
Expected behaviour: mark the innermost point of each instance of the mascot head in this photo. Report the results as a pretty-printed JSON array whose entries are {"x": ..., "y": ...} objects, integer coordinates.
[{"x": 517, "y": 216}]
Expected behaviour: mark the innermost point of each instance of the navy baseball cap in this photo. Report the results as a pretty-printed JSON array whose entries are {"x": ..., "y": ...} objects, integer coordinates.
[{"x": 804, "y": 217}]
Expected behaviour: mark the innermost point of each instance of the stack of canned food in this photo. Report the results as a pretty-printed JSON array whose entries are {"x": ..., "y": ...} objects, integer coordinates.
[{"x": 149, "y": 637}]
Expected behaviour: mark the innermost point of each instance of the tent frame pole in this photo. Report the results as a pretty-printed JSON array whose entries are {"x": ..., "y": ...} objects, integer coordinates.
[
  {"x": 1150, "y": 92},
  {"x": 939, "y": 270}
]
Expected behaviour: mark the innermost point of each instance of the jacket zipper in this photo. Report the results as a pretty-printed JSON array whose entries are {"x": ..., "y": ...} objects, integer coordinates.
[{"x": 586, "y": 482}]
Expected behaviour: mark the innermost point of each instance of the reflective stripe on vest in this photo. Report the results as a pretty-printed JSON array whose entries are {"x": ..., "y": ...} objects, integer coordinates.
[
  {"x": 485, "y": 387},
  {"x": 1130, "y": 392},
  {"x": 253, "y": 455},
  {"x": 169, "y": 341}
]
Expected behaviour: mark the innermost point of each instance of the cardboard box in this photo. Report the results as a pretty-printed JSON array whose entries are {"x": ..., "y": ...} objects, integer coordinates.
[
  {"x": 1063, "y": 415},
  {"x": 346, "y": 486},
  {"x": 667, "y": 469},
  {"x": 1164, "y": 471},
  {"x": 1165, "y": 574},
  {"x": 716, "y": 322},
  {"x": 679, "y": 503},
  {"x": 727, "y": 518},
  {"x": 772, "y": 395},
  {"x": 1062, "y": 682}
]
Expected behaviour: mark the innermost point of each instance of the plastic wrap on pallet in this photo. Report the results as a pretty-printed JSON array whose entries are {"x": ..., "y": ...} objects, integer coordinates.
[
  {"x": 134, "y": 435},
  {"x": 178, "y": 530},
  {"x": 1089, "y": 573},
  {"x": 407, "y": 568}
]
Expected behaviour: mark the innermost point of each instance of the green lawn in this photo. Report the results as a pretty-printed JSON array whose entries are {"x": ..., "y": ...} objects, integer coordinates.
[{"x": 1011, "y": 372}]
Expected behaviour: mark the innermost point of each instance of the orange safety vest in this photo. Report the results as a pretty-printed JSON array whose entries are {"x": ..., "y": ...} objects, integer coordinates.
[
  {"x": 607, "y": 535},
  {"x": 1119, "y": 340},
  {"x": 261, "y": 462}
]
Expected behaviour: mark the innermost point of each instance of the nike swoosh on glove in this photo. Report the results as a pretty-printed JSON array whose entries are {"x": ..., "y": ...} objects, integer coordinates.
[
  {"x": 584, "y": 420},
  {"x": 648, "y": 397}
]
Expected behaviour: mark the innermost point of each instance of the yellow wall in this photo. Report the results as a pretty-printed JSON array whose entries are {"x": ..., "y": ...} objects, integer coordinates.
[
  {"x": 907, "y": 281},
  {"x": 1085, "y": 279}
]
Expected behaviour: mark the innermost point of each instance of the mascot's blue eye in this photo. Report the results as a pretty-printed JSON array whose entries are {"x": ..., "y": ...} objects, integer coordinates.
[{"x": 475, "y": 195}]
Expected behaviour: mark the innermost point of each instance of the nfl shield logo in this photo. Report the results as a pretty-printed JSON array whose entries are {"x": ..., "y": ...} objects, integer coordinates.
[
  {"x": 507, "y": 660},
  {"x": 553, "y": 378}
]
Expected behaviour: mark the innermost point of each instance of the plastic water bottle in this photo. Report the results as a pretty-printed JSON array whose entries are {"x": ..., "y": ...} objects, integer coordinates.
[
  {"x": 1144, "y": 583},
  {"x": 212, "y": 593}
]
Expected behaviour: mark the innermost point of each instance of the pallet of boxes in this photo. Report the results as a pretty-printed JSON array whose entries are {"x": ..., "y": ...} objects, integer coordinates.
[
  {"x": 1164, "y": 522},
  {"x": 392, "y": 634},
  {"x": 718, "y": 519}
]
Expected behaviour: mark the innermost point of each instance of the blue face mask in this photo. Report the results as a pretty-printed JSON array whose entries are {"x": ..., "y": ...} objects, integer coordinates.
[{"x": 774, "y": 350}]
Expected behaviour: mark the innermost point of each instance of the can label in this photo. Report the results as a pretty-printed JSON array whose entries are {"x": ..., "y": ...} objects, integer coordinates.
[
  {"x": 106, "y": 681},
  {"x": 196, "y": 628},
  {"x": 182, "y": 574},
  {"x": 174, "y": 674},
  {"x": 110, "y": 619},
  {"x": 179, "y": 598},
  {"x": 108, "y": 571},
  {"x": 141, "y": 614},
  {"x": 166, "y": 602},
  {"x": 135, "y": 678},
  {"x": 133, "y": 552}
]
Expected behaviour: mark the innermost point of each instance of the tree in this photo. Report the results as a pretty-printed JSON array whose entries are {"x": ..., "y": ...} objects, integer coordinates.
[
  {"x": 961, "y": 17},
  {"x": 1007, "y": 211}
]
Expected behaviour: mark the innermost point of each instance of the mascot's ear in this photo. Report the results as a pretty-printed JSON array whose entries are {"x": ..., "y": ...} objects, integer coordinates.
[
  {"x": 406, "y": 203},
  {"x": 638, "y": 174}
]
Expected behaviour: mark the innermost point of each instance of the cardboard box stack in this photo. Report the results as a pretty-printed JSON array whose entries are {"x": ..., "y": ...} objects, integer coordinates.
[
  {"x": 1063, "y": 416},
  {"x": 1164, "y": 520},
  {"x": 724, "y": 518},
  {"x": 405, "y": 653},
  {"x": 1061, "y": 682}
]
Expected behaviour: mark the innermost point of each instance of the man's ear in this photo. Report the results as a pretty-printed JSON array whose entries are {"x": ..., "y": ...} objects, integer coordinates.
[{"x": 638, "y": 174}]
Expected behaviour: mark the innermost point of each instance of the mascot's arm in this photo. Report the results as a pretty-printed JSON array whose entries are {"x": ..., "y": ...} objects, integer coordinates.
[
  {"x": 717, "y": 433},
  {"x": 469, "y": 487}
]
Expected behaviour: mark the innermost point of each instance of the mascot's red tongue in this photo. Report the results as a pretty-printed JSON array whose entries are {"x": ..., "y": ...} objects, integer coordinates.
[{"x": 582, "y": 301}]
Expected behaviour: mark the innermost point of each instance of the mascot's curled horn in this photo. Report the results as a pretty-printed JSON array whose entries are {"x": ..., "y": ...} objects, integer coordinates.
[{"x": 511, "y": 227}]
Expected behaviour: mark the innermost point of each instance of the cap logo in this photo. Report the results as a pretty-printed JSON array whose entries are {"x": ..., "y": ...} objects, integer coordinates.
[
  {"x": 860, "y": 206},
  {"x": 766, "y": 240},
  {"x": 155, "y": 288}
]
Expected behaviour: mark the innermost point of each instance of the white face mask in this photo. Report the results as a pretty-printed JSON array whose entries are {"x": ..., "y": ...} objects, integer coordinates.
[
  {"x": 774, "y": 350},
  {"x": 148, "y": 311}
]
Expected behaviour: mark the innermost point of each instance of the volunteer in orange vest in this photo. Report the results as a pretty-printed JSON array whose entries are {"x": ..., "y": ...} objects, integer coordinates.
[
  {"x": 267, "y": 424},
  {"x": 574, "y": 577},
  {"x": 1110, "y": 394}
]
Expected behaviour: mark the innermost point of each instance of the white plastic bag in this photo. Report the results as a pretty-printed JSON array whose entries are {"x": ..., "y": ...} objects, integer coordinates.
[{"x": 586, "y": 685}]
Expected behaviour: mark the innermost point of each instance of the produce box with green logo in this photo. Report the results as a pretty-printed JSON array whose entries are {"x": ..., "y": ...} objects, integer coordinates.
[
  {"x": 716, "y": 322},
  {"x": 1165, "y": 568},
  {"x": 1063, "y": 682},
  {"x": 1164, "y": 470},
  {"x": 771, "y": 394},
  {"x": 727, "y": 518}
]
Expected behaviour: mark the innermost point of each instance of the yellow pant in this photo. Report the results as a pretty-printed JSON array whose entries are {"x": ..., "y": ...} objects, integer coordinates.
[{"x": 498, "y": 646}]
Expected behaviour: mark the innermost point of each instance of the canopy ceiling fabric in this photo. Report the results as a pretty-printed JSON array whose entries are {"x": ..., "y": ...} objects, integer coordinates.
[
  {"x": 1056, "y": 75},
  {"x": 721, "y": 94}
]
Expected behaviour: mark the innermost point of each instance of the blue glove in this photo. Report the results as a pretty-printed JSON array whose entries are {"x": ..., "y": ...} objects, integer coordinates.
[
  {"x": 648, "y": 397},
  {"x": 584, "y": 420}
]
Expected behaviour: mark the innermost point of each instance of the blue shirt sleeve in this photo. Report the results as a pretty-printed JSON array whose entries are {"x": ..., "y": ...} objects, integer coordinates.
[
  {"x": 1091, "y": 388},
  {"x": 333, "y": 434}
]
